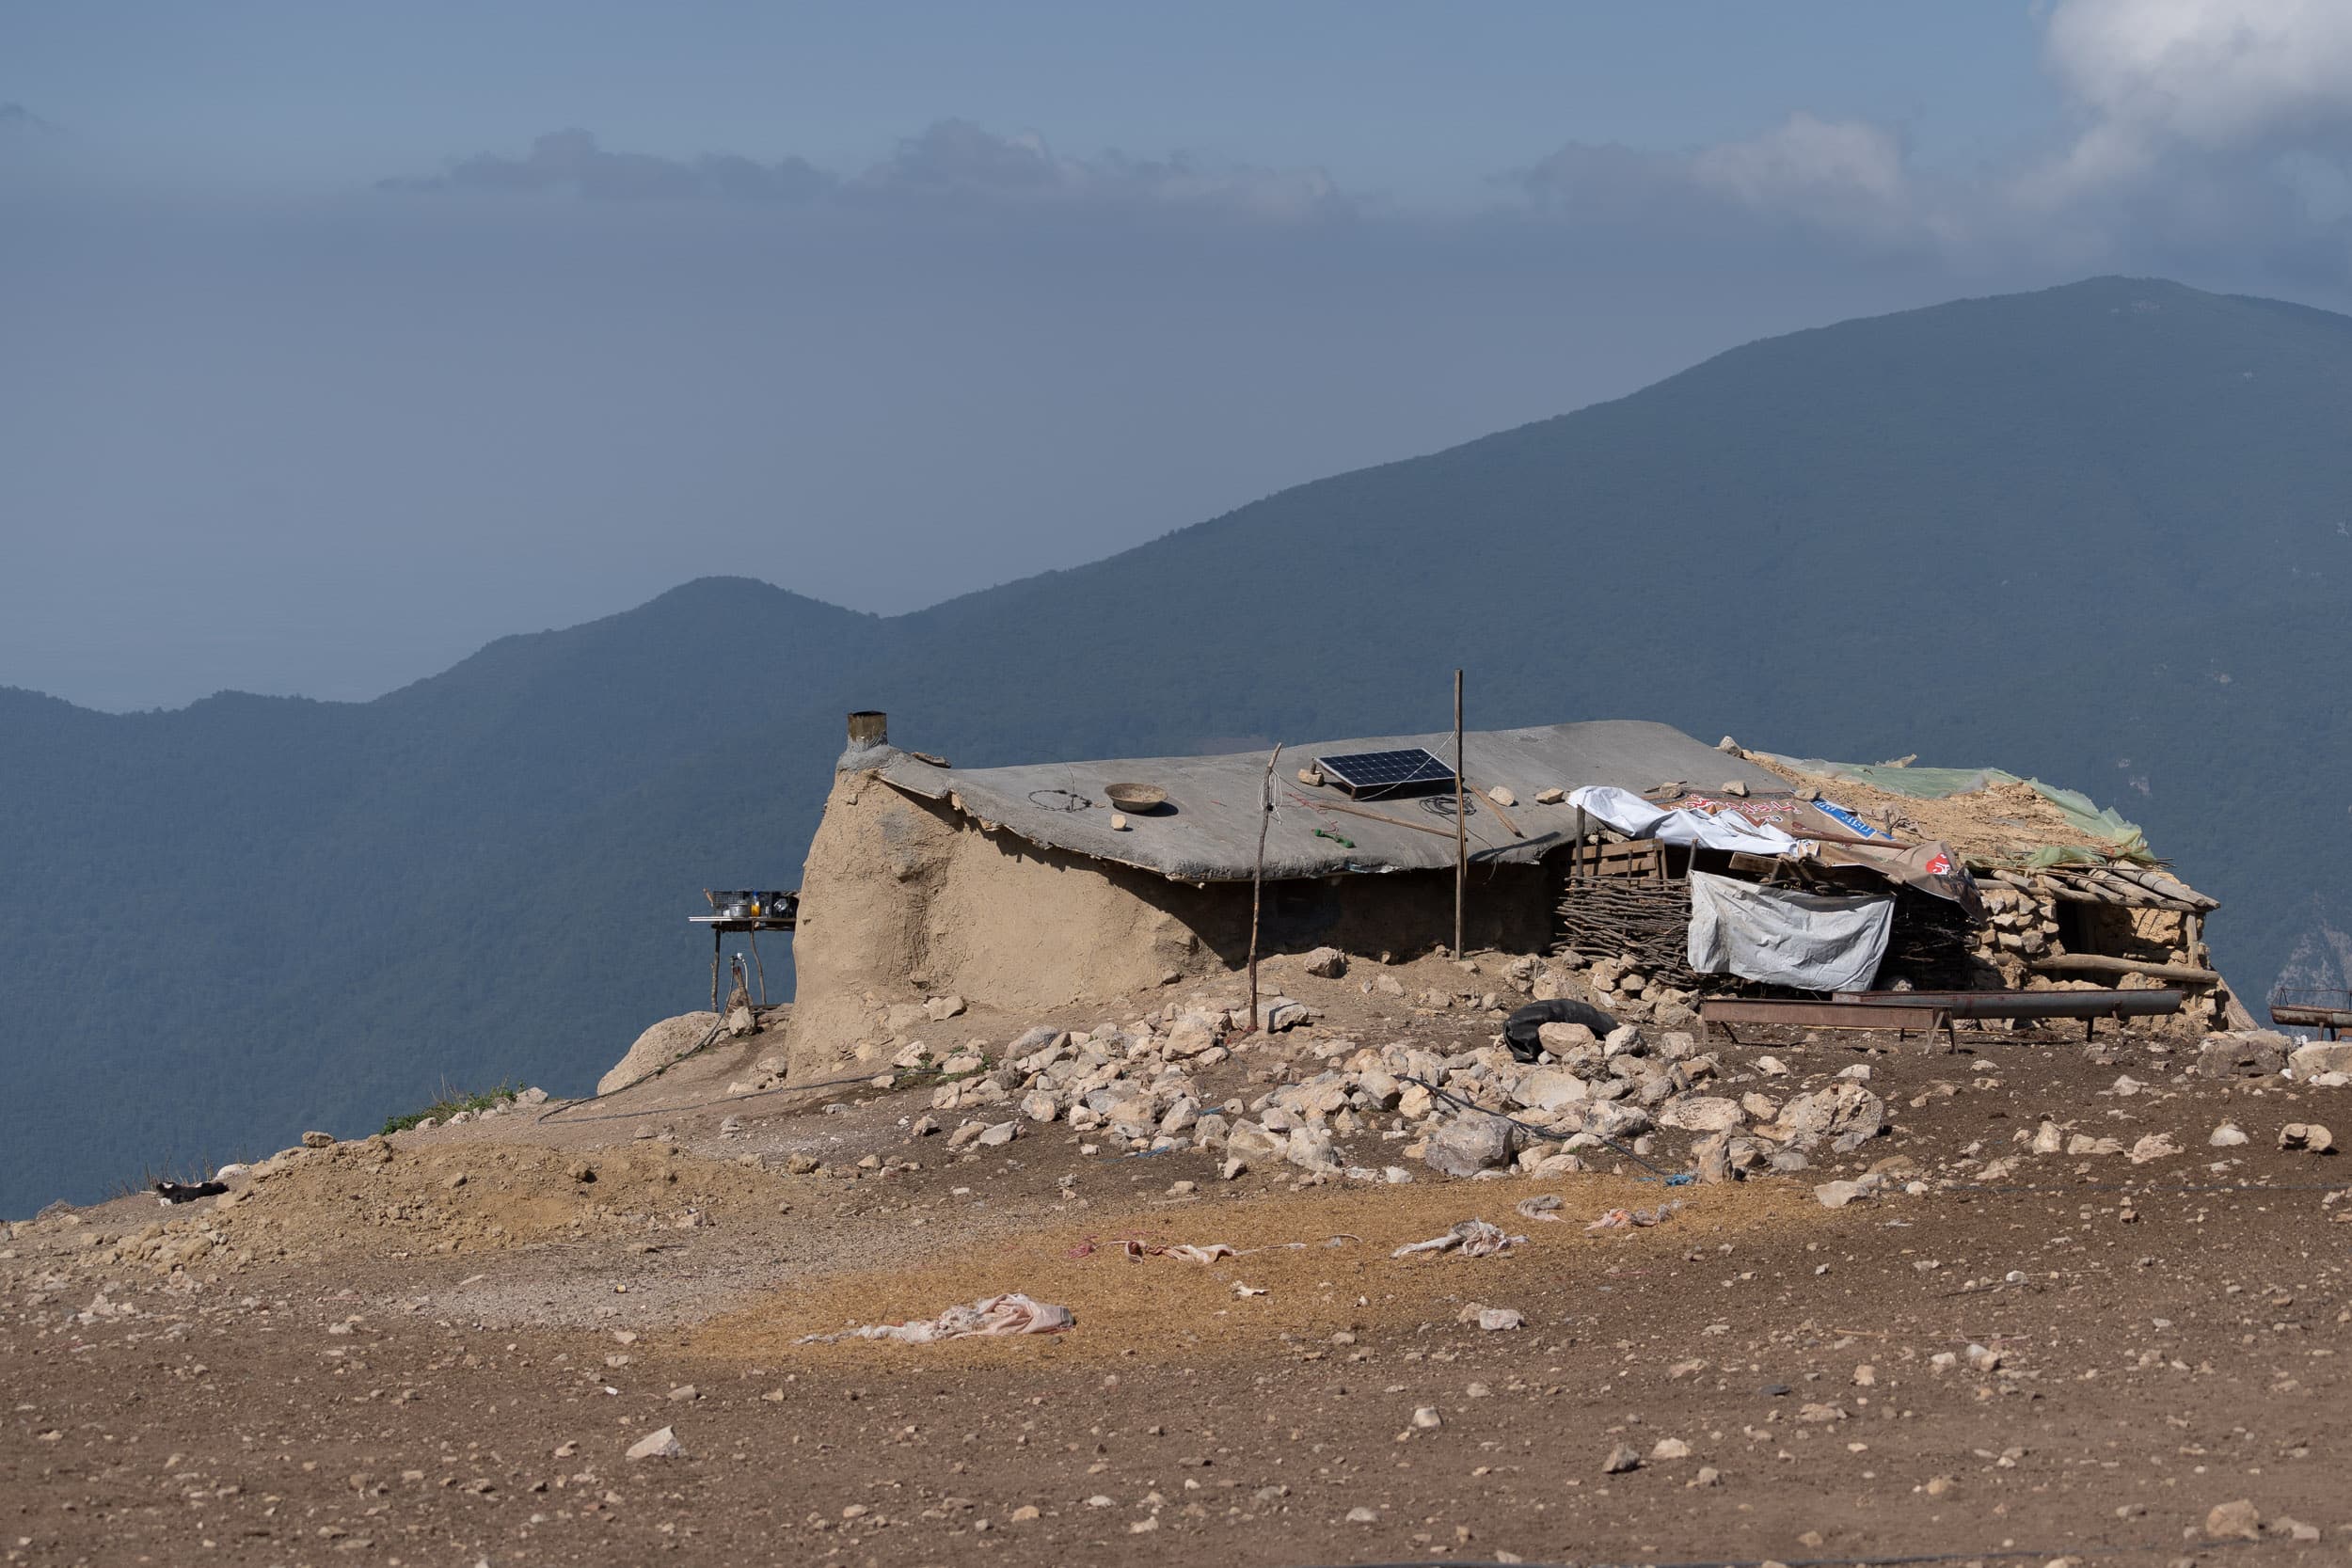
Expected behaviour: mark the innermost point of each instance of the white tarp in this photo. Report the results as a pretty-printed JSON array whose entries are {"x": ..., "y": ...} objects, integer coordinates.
[
  {"x": 1636, "y": 817},
  {"x": 1810, "y": 940}
]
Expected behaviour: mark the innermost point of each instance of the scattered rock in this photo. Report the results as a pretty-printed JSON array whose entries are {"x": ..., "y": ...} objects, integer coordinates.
[
  {"x": 1671, "y": 1447},
  {"x": 1551, "y": 1088},
  {"x": 1278, "y": 1013},
  {"x": 2233, "y": 1521},
  {"x": 939, "y": 1010},
  {"x": 318, "y": 1140},
  {"x": 2307, "y": 1134},
  {"x": 2309, "y": 1061},
  {"x": 1251, "y": 1140},
  {"x": 658, "y": 1445},
  {"x": 1699, "y": 1113},
  {"x": 2226, "y": 1135},
  {"x": 1502, "y": 796},
  {"x": 1327, "y": 963},
  {"x": 1624, "y": 1457},
  {"x": 1836, "y": 1194},
  {"x": 1468, "y": 1144}
]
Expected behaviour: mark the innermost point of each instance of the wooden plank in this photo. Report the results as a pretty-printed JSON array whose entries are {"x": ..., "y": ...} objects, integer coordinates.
[
  {"x": 1820, "y": 1015},
  {"x": 2099, "y": 963},
  {"x": 1382, "y": 816}
]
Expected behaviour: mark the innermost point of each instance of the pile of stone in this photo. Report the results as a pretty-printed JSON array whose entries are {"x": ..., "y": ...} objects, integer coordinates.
[
  {"x": 2018, "y": 929},
  {"x": 1139, "y": 1087}
]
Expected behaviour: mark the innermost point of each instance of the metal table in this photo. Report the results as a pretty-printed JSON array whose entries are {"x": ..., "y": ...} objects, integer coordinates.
[
  {"x": 1926, "y": 1012},
  {"x": 722, "y": 926},
  {"x": 2330, "y": 1010}
]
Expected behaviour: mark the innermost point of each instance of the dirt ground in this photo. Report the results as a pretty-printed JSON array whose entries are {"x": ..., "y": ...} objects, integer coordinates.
[{"x": 437, "y": 1350}]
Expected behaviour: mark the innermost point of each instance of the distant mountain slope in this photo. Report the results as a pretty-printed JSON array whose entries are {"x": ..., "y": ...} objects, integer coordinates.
[{"x": 2101, "y": 532}]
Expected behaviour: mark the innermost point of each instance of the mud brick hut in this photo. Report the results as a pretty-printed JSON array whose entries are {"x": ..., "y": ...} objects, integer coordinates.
[{"x": 1027, "y": 889}]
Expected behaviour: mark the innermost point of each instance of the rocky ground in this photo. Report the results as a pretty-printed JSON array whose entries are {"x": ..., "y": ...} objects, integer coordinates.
[{"x": 2029, "y": 1301}]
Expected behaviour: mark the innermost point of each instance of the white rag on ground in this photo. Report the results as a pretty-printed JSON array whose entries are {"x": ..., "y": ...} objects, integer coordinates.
[
  {"x": 1472, "y": 1238},
  {"x": 991, "y": 1316},
  {"x": 1810, "y": 940},
  {"x": 1631, "y": 815}
]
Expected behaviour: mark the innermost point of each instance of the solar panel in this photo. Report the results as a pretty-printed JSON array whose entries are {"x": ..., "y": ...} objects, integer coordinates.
[{"x": 1362, "y": 773}]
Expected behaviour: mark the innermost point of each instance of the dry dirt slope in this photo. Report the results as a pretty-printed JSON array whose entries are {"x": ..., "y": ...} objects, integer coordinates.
[{"x": 439, "y": 1350}]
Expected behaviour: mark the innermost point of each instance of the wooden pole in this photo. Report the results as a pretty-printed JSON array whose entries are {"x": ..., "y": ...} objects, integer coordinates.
[
  {"x": 1372, "y": 816},
  {"x": 1461, "y": 823},
  {"x": 1257, "y": 880}
]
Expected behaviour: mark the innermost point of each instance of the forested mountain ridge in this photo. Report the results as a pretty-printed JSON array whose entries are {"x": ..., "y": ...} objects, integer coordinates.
[{"x": 2101, "y": 534}]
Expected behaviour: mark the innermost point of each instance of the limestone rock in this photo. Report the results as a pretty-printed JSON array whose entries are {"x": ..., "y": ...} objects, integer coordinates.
[
  {"x": 656, "y": 1048},
  {"x": 1327, "y": 963},
  {"x": 658, "y": 1445},
  {"x": 1551, "y": 1088},
  {"x": 1468, "y": 1144},
  {"x": 1615, "y": 1118},
  {"x": 2309, "y": 1061},
  {"x": 1250, "y": 1141},
  {"x": 1044, "y": 1037},
  {"x": 2233, "y": 1521},
  {"x": 1278, "y": 1013},
  {"x": 2307, "y": 1134},
  {"x": 1310, "y": 1149},
  {"x": 1836, "y": 1194},
  {"x": 2226, "y": 1135},
  {"x": 939, "y": 1010},
  {"x": 1193, "y": 1034},
  {"x": 1700, "y": 1112},
  {"x": 1563, "y": 1039}
]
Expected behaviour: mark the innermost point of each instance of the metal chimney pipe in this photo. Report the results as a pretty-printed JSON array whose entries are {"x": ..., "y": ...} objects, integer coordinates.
[{"x": 868, "y": 728}]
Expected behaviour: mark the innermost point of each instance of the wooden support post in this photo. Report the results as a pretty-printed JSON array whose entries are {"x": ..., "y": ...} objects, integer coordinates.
[
  {"x": 753, "y": 935},
  {"x": 715, "y": 940},
  {"x": 1461, "y": 824},
  {"x": 1257, "y": 880}
]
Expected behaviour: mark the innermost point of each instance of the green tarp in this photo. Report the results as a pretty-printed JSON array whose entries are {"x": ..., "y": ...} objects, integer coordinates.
[{"x": 2105, "y": 835}]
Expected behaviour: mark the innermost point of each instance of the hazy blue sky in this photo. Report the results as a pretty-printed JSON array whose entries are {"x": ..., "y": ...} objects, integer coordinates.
[{"x": 337, "y": 340}]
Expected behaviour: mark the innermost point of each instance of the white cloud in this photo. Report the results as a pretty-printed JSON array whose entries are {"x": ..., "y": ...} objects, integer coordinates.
[
  {"x": 952, "y": 161},
  {"x": 2153, "y": 79},
  {"x": 959, "y": 158},
  {"x": 1844, "y": 178},
  {"x": 2206, "y": 136},
  {"x": 1838, "y": 173}
]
